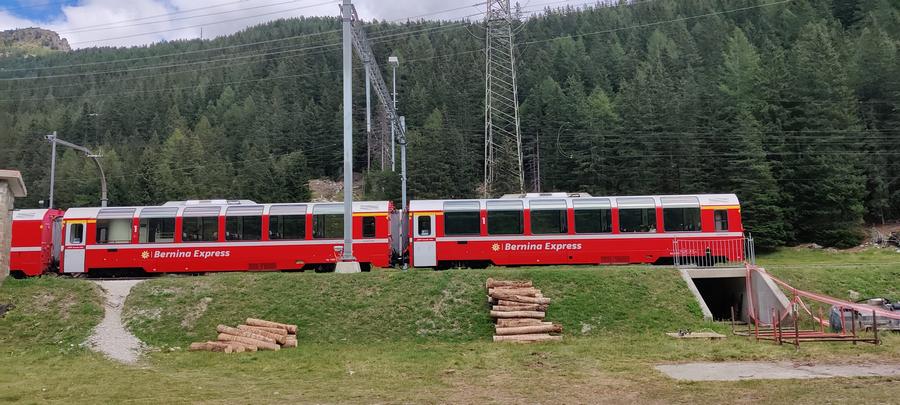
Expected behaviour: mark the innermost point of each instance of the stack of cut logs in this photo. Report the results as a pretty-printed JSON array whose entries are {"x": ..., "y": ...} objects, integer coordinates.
[
  {"x": 519, "y": 308},
  {"x": 253, "y": 335}
]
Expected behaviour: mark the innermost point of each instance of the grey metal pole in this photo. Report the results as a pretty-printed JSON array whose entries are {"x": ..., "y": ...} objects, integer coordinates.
[
  {"x": 52, "y": 165},
  {"x": 348, "y": 136},
  {"x": 368, "y": 122},
  {"x": 393, "y": 124},
  {"x": 405, "y": 219}
]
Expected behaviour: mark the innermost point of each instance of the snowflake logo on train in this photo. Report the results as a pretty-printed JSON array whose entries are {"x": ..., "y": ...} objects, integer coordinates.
[
  {"x": 145, "y": 255},
  {"x": 496, "y": 247}
]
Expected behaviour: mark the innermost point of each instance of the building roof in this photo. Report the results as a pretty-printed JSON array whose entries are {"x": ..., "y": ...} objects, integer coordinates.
[{"x": 16, "y": 185}]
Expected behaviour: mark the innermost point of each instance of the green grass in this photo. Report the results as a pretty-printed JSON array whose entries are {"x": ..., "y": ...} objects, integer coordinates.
[{"x": 422, "y": 337}]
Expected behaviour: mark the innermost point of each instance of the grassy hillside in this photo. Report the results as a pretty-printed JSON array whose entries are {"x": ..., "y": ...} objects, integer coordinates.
[
  {"x": 416, "y": 305},
  {"x": 49, "y": 311}
]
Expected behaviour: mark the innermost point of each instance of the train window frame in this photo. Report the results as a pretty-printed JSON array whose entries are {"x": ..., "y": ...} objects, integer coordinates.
[
  {"x": 328, "y": 221},
  {"x": 427, "y": 226},
  {"x": 243, "y": 223},
  {"x": 585, "y": 212},
  {"x": 462, "y": 218},
  {"x": 207, "y": 229},
  {"x": 277, "y": 232},
  {"x": 113, "y": 226},
  {"x": 503, "y": 213},
  {"x": 553, "y": 210},
  {"x": 369, "y": 227},
  {"x": 150, "y": 215},
  {"x": 681, "y": 214},
  {"x": 645, "y": 206},
  {"x": 721, "y": 224},
  {"x": 76, "y": 234}
]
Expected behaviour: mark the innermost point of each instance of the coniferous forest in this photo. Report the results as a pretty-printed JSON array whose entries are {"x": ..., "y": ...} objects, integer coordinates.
[{"x": 793, "y": 105}]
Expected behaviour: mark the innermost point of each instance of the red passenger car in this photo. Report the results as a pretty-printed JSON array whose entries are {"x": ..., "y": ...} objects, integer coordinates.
[
  {"x": 35, "y": 242},
  {"x": 219, "y": 235},
  {"x": 560, "y": 228}
]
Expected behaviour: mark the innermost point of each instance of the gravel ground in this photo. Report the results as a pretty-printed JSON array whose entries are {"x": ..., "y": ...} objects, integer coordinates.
[
  {"x": 110, "y": 337},
  {"x": 756, "y": 370}
]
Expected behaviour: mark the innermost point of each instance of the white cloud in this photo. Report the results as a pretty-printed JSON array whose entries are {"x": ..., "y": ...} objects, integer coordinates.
[{"x": 78, "y": 23}]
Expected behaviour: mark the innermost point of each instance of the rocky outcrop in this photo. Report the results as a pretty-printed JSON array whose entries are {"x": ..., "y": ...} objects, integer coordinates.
[{"x": 32, "y": 41}]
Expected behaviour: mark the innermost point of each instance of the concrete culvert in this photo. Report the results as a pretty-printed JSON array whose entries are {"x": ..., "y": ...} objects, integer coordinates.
[{"x": 719, "y": 290}]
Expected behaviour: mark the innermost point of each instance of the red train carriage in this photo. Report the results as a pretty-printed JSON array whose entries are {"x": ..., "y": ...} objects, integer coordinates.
[
  {"x": 201, "y": 236},
  {"x": 559, "y": 228},
  {"x": 35, "y": 242}
]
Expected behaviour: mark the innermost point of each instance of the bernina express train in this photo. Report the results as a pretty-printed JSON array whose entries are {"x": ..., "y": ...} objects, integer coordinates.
[{"x": 241, "y": 235}]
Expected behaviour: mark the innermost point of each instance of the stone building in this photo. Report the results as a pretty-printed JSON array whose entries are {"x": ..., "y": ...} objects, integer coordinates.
[{"x": 11, "y": 187}]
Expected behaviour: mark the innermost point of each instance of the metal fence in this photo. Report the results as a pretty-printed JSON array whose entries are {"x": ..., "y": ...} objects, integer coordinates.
[{"x": 692, "y": 252}]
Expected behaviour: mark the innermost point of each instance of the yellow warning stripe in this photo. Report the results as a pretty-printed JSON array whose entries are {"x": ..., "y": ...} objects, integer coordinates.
[
  {"x": 722, "y": 207},
  {"x": 370, "y": 214}
]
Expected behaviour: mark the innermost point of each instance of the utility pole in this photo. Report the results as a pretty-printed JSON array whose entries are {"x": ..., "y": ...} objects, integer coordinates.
[
  {"x": 87, "y": 153},
  {"x": 394, "y": 62},
  {"x": 348, "y": 263},
  {"x": 368, "y": 121},
  {"x": 503, "y": 163}
]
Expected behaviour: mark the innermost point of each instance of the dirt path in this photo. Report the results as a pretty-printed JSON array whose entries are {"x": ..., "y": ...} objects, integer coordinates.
[
  {"x": 758, "y": 370},
  {"x": 110, "y": 337}
]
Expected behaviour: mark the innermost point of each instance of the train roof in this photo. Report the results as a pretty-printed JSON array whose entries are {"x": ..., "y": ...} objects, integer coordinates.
[
  {"x": 703, "y": 199},
  {"x": 218, "y": 208},
  {"x": 30, "y": 214}
]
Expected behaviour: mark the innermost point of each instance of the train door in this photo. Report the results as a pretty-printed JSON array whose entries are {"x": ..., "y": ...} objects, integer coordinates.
[
  {"x": 424, "y": 244},
  {"x": 73, "y": 255}
]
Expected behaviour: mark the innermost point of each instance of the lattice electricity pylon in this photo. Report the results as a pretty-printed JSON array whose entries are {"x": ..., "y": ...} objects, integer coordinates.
[{"x": 503, "y": 168}]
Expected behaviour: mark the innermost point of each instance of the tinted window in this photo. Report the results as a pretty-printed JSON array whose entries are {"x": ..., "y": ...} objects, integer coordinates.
[
  {"x": 549, "y": 221},
  {"x": 243, "y": 228},
  {"x": 368, "y": 227},
  {"x": 114, "y": 230},
  {"x": 681, "y": 219},
  {"x": 593, "y": 220},
  {"x": 504, "y": 222},
  {"x": 462, "y": 223},
  {"x": 721, "y": 217},
  {"x": 200, "y": 229},
  {"x": 425, "y": 225},
  {"x": 637, "y": 220},
  {"x": 156, "y": 230},
  {"x": 76, "y": 232},
  {"x": 328, "y": 226},
  {"x": 287, "y": 227}
]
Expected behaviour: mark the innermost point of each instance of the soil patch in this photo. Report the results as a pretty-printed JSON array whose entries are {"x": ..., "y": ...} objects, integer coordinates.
[{"x": 753, "y": 370}]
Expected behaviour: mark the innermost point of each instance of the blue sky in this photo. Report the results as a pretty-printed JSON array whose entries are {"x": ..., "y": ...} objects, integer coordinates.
[{"x": 35, "y": 10}]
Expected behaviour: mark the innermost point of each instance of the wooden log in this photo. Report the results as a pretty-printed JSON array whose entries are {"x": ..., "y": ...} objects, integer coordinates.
[
  {"x": 258, "y": 343},
  {"x": 491, "y": 300},
  {"x": 491, "y": 283},
  {"x": 513, "y": 322},
  {"x": 509, "y": 292},
  {"x": 517, "y": 314},
  {"x": 289, "y": 342},
  {"x": 277, "y": 331},
  {"x": 247, "y": 334},
  {"x": 278, "y": 338},
  {"x": 525, "y": 330},
  {"x": 270, "y": 324},
  {"x": 531, "y": 300},
  {"x": 247, "y": 347},
  {"x": 210, "y": 347},
  {"x": 527, "y": 338},
  {"x": 523, "y": 307}
]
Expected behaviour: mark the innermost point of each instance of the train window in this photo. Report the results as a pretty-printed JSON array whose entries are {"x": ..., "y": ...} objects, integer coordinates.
[
  {"x": 368, "y": 227},
  {"x": 287, "y": 226},
  {"x": 504, "y": 218},
  {"x": 548, "y": 216},
  {"x": 243, "y": 228},
  {"x": 681, "y": 219},
  {"x": 116, "y": 230},
  {"x": 157, "y": 230},
  {"x": 592, "y": 215},
  {"x": 462, "y": 218},
  {"x": 721, "y": 218},
  {"x": 637, "y": 220},
  {"x": 328, "y": 221},
  {"x": 200, "y": 229},
  {"x": 425, "y": 225},
  {"x": 76, "y": 233}
]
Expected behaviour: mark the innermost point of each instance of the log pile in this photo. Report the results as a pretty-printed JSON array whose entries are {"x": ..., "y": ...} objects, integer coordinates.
[
  {"x": 253, "y": 335},
  {"x": 518, "y": 310}
]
